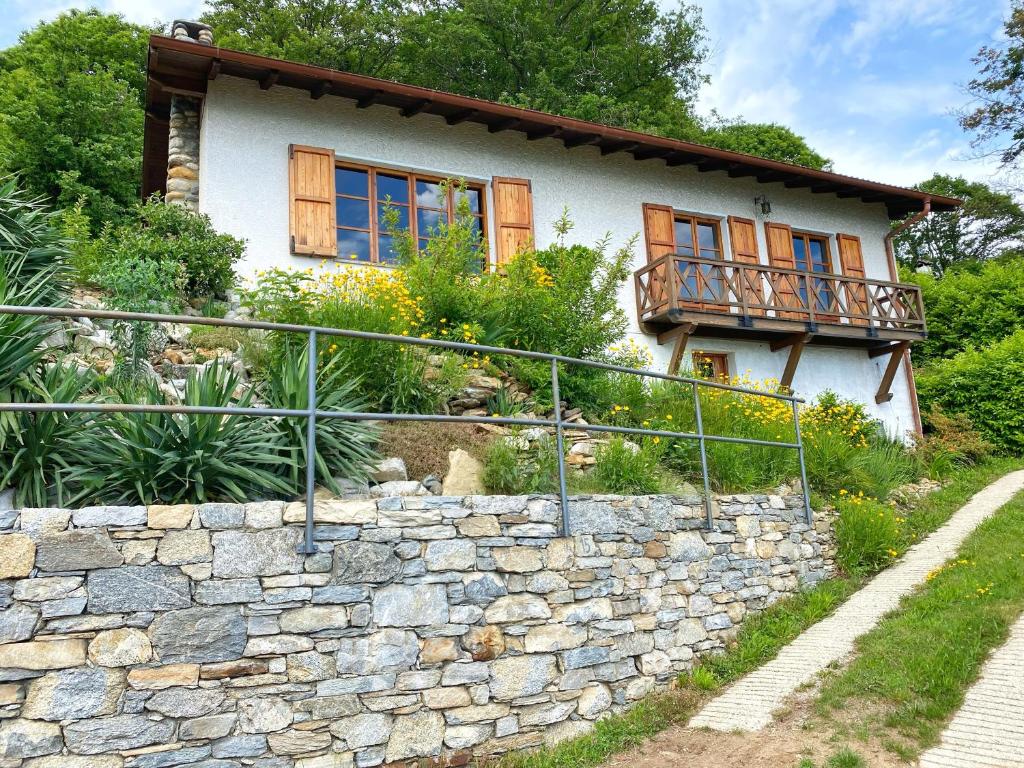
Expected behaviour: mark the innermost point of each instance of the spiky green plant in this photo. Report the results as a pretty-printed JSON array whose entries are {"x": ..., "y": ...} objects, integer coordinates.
[
  {"x": 38, "y": 448},
  {"x": 32, "y": 245},
  {"x": 342, "y": 447},
  {"x": 178, "y": 458}
]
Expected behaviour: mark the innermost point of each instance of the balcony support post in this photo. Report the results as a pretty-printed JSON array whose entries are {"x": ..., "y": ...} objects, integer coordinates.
[
  {"x": 682, "y": 334},
  {"x": 796, "y": 343},
  {"x": 896, "y": 351}
]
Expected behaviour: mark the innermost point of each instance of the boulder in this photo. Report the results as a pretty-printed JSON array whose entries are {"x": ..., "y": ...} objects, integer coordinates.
[
  {"x": 271, "y": 552},
  {"x": 357, "y": 562},
  {"x": 17, "y": 556},
  {"x": 73, "y": 694},
  {"x": 120, "y": 648},
  {"x": 199, "y": 635},
  {"x": 137, "y": 588},
  {"x": 517, "y": 676},
  {"x": 465, "y": 475},
  {"x": 389, "y": 469},
  {"x": 21, "y": 739},
  {"x": 76, "y": 551},
  {"x": 43, "y": 654},
  {"x": 417, "y": 735},
  {"x": 116, "y": 734},
  {"x": 17, "y": 623},
  {"x": 419, "y": 605},
  {"x": 185, "y": 702}
]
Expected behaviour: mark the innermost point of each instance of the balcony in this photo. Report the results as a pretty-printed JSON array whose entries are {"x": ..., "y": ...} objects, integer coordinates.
[
  {"x": 732, "y": 299},
  {"x": 679, "y": 296}
]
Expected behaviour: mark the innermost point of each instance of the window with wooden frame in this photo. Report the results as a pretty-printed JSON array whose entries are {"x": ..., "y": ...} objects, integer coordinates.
[
  {"x": 420, "y": 204},
  {"x": 701, "y": 238},
  {"x": 811, "y": 253},
  {"x": 711, "y": 365}
]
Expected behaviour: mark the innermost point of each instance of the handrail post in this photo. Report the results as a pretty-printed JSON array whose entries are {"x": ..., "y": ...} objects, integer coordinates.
[
  {"x": 809, "y": 515},
  {"x": 308, "y": 547},
  {"x": 703, "y": 457},
  {"x": 563, "y": 496}
]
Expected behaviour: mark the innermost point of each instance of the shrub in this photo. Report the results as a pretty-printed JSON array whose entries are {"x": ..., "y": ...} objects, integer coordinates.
[
  {"x": 986, "y": 385},
  {"x": 971, "y": 306},
  {"x": 169, "y": 233},
  {"x": 343, "y": 447},
  {"x": 180, "y": 458},
  {"x": 509, "y": 471},
  {"x": 949, "y": 443},
  {"x": 38, "y": 449},
  {"x": 868, "y": 534},
  {"x": 626, "y": 468}
]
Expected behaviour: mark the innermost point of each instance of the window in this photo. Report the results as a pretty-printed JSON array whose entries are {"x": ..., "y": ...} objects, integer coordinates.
[
  {"x": 811, "y": 254},
  {"x": 702, "y": 239},
  {"x": 711, "y": 365},
  {"x": 420, "y": 205}
]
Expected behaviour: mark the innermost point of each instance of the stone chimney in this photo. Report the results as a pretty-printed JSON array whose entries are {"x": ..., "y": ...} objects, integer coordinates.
[{"x": 183, "y": 135}]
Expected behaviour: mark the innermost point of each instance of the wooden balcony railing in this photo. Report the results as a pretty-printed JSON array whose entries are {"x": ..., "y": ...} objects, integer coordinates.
[{"x": 676, "y": 288}]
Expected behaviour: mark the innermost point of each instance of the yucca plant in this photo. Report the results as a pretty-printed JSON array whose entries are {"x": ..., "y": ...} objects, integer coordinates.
[
  {"x": 39, "y": 449},
  {"x": 179, "y": 458},
  {"x": 31, "y": 239},
  {"x": 342, "y": 447}
]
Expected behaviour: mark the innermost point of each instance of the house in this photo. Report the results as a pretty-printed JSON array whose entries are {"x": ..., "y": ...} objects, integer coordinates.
[{"x": 745, "y": 264}]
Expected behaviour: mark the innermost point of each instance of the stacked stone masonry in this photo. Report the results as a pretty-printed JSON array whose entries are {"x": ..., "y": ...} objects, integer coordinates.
[{"x": 135, "y": 637}]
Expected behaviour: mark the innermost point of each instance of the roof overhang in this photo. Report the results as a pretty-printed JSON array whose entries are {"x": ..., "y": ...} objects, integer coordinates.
[{"x": 185, "y": 67}]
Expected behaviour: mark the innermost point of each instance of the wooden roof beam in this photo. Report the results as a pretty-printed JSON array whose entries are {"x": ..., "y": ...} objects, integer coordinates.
[
  {"x": 581, "y": 140},
  {"x": 737, "y": 171},
  {"x": 415, "y": 108},
  {"x": 320, "y": 90},
  {"x": 796, "y": 343},
  {"x": 619, "y": 146},
  {"x": 651, "y": 154},
  {"x": 884, "y": 394},
  {"x": 462, "y": 116},
  {"x": 797, "y": 183},
  {"x": 368, "y": 100},
  {"x": 542, "y": 133},
  {"x": 711, "y": 164},
  {"x": 504, "y": 124},
  {"x": 269, "y": 80},
  {"x": 214, "y": 70}
]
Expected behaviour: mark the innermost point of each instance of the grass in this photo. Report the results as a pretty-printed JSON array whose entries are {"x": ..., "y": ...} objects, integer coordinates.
[{"x": 912, "y": 670}]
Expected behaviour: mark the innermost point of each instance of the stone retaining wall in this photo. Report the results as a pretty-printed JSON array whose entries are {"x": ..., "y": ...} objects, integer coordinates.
[{"x": 197, "y": 635}]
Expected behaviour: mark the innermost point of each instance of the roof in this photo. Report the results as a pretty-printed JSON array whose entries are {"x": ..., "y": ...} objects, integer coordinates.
[{"x": 185, "y": 67}]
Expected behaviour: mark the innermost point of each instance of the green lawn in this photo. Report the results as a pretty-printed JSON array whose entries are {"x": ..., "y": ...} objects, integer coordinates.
[{"x": 911, "y": 672}]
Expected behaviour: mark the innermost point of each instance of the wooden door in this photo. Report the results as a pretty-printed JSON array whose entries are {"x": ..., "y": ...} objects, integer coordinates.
[
  {"x": 852, "y": 260},
  {"x": 785, "y": 287}
]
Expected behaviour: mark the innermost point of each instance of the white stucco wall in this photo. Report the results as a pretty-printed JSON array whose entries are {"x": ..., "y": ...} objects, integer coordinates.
[{"x": 244, "y": 190}]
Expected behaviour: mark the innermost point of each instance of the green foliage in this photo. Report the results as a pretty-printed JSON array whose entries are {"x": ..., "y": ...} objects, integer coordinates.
[
  {"x": 168, "y": 458},
  {"x": 33, "y": 247},
  {"x": 769, "y": 140},
  {"x": 71, "y": 93},
  {"x": 846, "y": 758},
  {"x": 949, "y": 443},
  {"x": 989, "y": 224},
  {"x": 510, "y": 471},
  {"x": 38, "y": 449},
  {"x": 868, "y": 534},
  {"x": 971, "y": 306},
  {"x": 985, "y": 384},
  {"x": 504, "y": 403},
  {"x": 343, "y": 447},
  {"x": 627, "y": 468},
  {"x": 996, "y": 118}
]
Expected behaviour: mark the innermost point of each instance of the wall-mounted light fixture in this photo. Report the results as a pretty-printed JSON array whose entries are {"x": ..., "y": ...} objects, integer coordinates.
[{"x": 764, "y": 204}]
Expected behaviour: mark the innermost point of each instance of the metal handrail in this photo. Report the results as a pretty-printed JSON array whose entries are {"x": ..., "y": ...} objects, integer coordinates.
[{"x": 312, "y": 412}]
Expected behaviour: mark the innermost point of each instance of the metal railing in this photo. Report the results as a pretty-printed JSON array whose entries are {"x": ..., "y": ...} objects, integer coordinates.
[{"x": 312, "y": 413}]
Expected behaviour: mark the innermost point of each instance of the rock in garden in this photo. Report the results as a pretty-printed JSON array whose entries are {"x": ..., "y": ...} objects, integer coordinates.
[
  {"x": 73, "y": 694},
  {"x": 137, "y": 588},
  {"x": 17, "y": 556},
  {"x": 273, "y": 552},
  {"x": 199, "y": 635},
  {"x": 115, "y": 734},
  {"x": 359, "y": 562},
  {"x": 389, "y": 469},
  {"x": 76, "y": 551},
  {"x": 465, "y": 475}
]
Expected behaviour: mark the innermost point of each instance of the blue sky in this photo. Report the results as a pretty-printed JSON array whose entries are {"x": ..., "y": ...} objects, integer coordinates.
[{"x": 872, "y": 84}]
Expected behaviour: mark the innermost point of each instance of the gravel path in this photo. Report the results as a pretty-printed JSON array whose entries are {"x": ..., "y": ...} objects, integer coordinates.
[
  {"x": 989, "y": 728},
  {"x": 749, "y": 703}
]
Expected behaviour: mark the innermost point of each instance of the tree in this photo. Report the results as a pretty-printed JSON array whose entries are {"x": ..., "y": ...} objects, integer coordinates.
[
  {"x": 769, "y": 140},
  {"x": 998, "y": 119},
  {"x": 352, "y": 35},
  {"x": 989, "y": 224},
  {"x": 71, "y": 94}
]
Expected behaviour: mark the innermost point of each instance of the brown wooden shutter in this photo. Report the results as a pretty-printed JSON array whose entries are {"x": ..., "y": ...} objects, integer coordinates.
[
  {"x": 513, "y": 216},
  {"x": 743, "y": 242},
  {"x": 659, "y": 230},
  {"x": 780, "y": 254},
  {"x": 311, "y": 201},
  {"x": 852, "y": 260}
]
